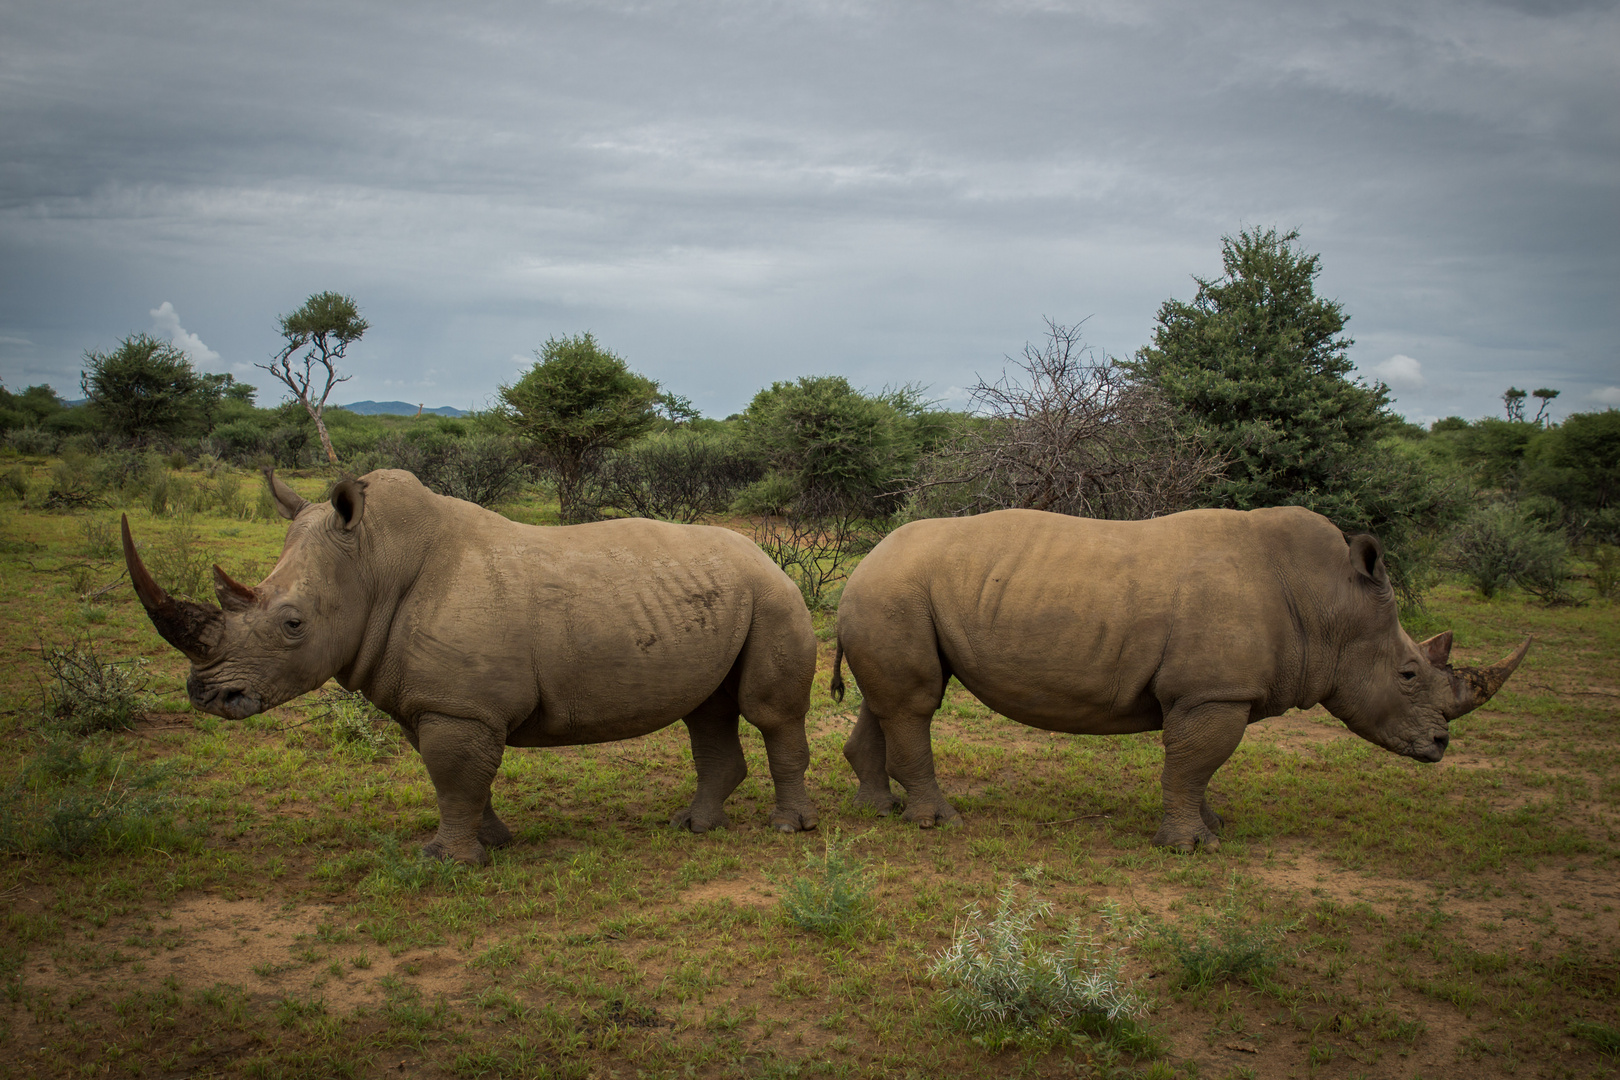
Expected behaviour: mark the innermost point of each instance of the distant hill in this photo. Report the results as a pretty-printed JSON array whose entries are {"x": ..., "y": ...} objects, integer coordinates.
[{"x": 397, "y": 408}]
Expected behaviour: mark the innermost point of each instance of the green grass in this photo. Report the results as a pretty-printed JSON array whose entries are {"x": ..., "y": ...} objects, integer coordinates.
[{"x": 1454, "y": 914}]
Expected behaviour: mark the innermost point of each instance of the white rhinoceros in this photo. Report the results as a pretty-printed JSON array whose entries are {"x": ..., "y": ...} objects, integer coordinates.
[
  {"x": 1198, "y": 624},
  {"x": 476, "y": 633}
]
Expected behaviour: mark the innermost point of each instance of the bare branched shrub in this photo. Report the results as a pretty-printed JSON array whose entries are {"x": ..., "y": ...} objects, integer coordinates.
[
  {"x": 88, "y": 694},
  {"x": 1073, "y": 435},
  {"x": 818, "y": 545}
]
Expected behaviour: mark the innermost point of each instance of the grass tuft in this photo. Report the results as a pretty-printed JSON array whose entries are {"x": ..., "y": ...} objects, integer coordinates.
[
  {"x": 1226, "y": 946},
  {"x": 1604, "y": 1038},
  {"x": 834, "y": 894}
]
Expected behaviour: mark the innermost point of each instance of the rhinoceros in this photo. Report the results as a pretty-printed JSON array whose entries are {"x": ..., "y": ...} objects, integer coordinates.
[
  {"x": 476, "y": 633},
  {"x": 1197, "y": 624}
]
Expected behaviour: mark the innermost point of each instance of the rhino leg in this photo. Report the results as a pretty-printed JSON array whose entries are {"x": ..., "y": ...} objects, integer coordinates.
[
  {"x": 717, "y": 754},
  {"x": 462, "y": 757},
  {"x": 1197, "y": 741},
  {"x": 909, "y": 758},
  {"x": 774, "y": 672},
  {"x": 868, "y": 756}
]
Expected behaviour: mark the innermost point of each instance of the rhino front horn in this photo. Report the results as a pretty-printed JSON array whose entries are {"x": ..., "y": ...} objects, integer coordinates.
[
  {"x": 192, "y": 628},
  {"x": 1476, "y": 686}
]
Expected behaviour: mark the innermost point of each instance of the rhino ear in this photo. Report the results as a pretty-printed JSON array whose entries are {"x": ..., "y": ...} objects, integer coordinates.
[
  {"x": 1437, "y": 648},
  {"x": 288, "y": 502},
  {"x": 1367, "y": 559},
  {"x": 349, "y": 500}
]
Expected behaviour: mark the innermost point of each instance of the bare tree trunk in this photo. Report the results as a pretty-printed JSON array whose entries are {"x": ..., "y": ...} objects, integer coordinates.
[{"x": 320, "y": 427}]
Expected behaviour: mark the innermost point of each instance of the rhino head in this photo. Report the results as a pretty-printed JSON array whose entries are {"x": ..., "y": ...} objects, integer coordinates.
[
  {"x": 1396, "y": 692},
  {"x": 267, "y": 644}
]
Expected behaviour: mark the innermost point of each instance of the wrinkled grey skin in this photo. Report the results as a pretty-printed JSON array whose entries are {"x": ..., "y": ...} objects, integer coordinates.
[
  {"x": 1197, "y": 624},
  {"x": 476, "y": 633}
]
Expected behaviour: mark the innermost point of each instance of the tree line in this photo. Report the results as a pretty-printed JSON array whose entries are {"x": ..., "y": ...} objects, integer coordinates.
[{"x": 1244, "y": 397}]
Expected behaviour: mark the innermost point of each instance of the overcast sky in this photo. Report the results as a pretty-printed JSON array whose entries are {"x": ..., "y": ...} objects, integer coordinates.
[{"x": 729, "y": 193}]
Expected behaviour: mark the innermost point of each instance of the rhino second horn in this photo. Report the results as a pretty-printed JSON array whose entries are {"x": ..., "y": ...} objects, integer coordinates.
[
  {"x": 1476, "y": 686},
  {"x": 192, "y": 628}
]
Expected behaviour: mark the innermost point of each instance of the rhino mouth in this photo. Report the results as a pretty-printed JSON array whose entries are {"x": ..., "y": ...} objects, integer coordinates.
[
  {"x": 1431, "y": 751},
  {"x": 232, "y": 703}
]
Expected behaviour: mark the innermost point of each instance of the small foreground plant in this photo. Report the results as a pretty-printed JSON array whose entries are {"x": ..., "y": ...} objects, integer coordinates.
[
  {"x": 87, "y": 694},
  {"x": 1005, "y": 985},
  {"x": 1226, "y": 946},
  {"x": 833, "y": 896},
  {"x": 1604, "y": 1038},
  {"x": 73, "y": 800},
  {"x": 354, "y": 724}
]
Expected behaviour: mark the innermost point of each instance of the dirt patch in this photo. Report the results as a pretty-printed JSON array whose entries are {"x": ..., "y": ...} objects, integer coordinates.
[{"x": 269, "y": 950}]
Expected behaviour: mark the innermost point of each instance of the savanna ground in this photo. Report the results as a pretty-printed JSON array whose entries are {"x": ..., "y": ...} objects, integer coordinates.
[{"x": 260, "y": 910}]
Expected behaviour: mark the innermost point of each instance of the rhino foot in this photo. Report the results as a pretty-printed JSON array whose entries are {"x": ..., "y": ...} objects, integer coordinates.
[
  {"x": 881, "y": 799},
  {"x": 792, "y": 821},
  {"x": 1186, "y": 841},
  {"x": 925, "y": 815},
  {"x": 474, "y": 853},
  {"x": 700, "y": 821},
  {"x": 494, "y": 833}
]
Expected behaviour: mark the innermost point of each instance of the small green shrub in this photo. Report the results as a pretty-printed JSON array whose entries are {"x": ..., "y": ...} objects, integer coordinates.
[
  {"x": 86, "y": 694},
  {"x": 32, "y": 441},
  {"x": 1226, "y": 946},
  {"x": 233, "y": 503},
  {"x": 1605, "y": 569},
  {"x": 14, "y": 482},
  {"x": 100, "y": 539},
  {"x": 1005, "y": 984},
  {"x": 180, "y": 563},
  {"x": 157, "y": 493},
  {"x": 1499, "y": 545},
  {"x": 353, "y": 723},
  {"x": 73, "y": 482},
  {"x": 834, "y": 894},
  {"x": 74, "y": 800}
]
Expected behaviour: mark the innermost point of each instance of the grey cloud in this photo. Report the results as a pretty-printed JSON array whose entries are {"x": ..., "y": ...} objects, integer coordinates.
[{"x": 733, "y": 192}]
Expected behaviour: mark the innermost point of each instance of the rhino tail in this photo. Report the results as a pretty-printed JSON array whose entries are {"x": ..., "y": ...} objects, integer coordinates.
[{"x": 837, "y": 685}]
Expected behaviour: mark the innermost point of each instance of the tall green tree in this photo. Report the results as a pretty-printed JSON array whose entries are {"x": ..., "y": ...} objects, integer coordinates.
[
  {"x": 1259, "y": 362},
  {"x": 322, "y": 329},
  {"x": 146, "y": 387},
  {"x": 1257, "y": 365},
  {"x": 828, "y": 444},
  {"x": 578, "y": 400}
]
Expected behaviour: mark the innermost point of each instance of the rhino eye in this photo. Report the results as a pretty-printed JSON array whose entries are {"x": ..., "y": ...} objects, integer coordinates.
[
  {"x": 293, "y": 626},
  {"x": 1408, "y": 674}
]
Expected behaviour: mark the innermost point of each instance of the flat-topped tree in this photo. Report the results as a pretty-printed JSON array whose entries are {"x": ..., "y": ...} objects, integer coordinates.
[{"x": 323, "y": 329}]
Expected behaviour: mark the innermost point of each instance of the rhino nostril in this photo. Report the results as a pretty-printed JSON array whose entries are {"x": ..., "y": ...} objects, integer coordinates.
[{"x": 1441, "y": 742}]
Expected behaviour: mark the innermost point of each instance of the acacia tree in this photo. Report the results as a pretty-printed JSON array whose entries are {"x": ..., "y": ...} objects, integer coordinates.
[
  {"x": 578, "y": 400},
  {"x": 323, "y": 327},
  {"x": 145, "y": 387}
]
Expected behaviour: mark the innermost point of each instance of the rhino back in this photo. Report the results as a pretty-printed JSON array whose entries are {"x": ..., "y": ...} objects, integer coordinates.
[
  {"x": 570, "y": 634},
  {"x": 1097, "y": 626}
]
